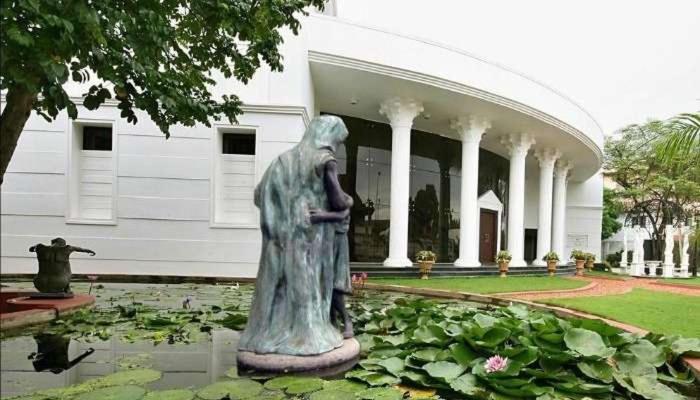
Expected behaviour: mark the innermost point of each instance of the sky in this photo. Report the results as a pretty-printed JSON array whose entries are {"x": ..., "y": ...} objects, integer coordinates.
[{"x": 624, "y": 61}]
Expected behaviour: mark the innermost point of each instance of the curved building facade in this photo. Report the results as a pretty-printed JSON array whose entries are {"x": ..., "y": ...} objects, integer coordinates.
[{"x": 447, "y": 152}]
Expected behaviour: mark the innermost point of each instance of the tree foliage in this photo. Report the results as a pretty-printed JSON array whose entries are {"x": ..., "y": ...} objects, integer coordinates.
[
  {"x": 159, "y": 56},
  {"x": 683, "y": 138},
  {"x": 612, "y": 208},
  {"x": 659, "y": 191}
]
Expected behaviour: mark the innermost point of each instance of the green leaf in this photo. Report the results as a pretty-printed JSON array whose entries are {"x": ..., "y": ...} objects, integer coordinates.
[
  {"x": 332, "y": 394},
  {"x": 236, "y": 389},
  {"x": 384, "y": 393},
  {"x": 373, "y": 378},
  {"x": 430, "y": 334},
  {"x": 174, "y": 394},
  {"x": 303, "y": 385},
  {"x": 427, "y": 354},
  {"x": 651, "y": 389},
  {"x": 393, "y": 365},
  {"x": 129, "y": 392},
  {"x": 344, "y": 385},
  {"x": 689, "y": 346},
  {"x": 493, "y": 337},
  {"x": 587, "y": 343},
  {"x": 599, "y": 370},
  {"x": 646, "y": 351},
  {"x": 444, "y": 370},
  {"x": 462, "y": 354},
  {"x": 469, "y": 385}
]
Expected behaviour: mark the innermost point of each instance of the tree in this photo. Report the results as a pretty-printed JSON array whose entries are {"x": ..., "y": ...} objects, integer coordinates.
[
  {"x": 683, "y": 138},
  {"x": 659, "y": 192},
  {"x": 157, "y": 56},
  {"x": 612, "y": 208}
]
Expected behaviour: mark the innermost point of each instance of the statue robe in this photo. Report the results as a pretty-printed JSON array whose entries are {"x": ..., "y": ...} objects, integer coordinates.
[{"x": 290, "y": 313}]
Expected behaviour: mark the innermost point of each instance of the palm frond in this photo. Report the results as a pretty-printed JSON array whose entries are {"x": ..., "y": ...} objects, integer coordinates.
[{"x": 682, "y": 138}]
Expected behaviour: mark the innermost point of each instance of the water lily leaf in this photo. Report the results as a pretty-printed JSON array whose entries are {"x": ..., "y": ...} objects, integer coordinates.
[
  {"x": 599, "y": 370},
  {"x": 303, "y": 385},
  {"x": 512, "y": 369},
  {"x": 344, "y": 385},
  {"x": 384, "y": 393},
  {"x": 630, "y": 364},
  {"x": 427, "y": 354},
  {"x": 646, "y": 351},
  {"x": 528, "y": 390},
  {"x": 393, "y": 365},
  {"x": 445, "y": 370},
  {"x": 430, "y": 334},
  {"x": 484, "y": 321},
  {"x": 493, "y": 337},
  {"x": 469, "y": 385},
  {"x": 526, "y": 355},
  {"x": 599, "y": 327},
  {"x": 373, "y": 378},
  {"x": 332, "y": 394},
  {"x": 519, "y": 311},
  {"x": 129, "y": 392},
  {"x": 394, "y": 340},
  {"x": 235, "y": 389},
  {"x": 418, "y": 376},
  {"x": 688, "y": 346},
  {"x": 581, "y": 387},
  {"x": 650, "y": 388},
  {"x": 175, "y": 394},
  {"x": 280, "y": 382},
  {"x": 139, "y": 376},
  {"x": 385, "y": 353},
  {"x": 587, "y": 343},
  {"x": 462, "y": 354}
]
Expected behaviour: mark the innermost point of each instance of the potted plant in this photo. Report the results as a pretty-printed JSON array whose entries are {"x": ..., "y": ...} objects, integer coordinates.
[
  {"x": 590, "y": 259},
  {"x": 580, "y": 258},
  {"x": 552, "y": 259},
  {"x": 503, "y": 259},
  {"x": 425, "y": 259}
]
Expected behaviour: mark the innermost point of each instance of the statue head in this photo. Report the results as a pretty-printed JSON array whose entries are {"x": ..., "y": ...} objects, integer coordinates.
[
  {"x": 325, "y": 132},
  {"x": 58, "y": 242}
]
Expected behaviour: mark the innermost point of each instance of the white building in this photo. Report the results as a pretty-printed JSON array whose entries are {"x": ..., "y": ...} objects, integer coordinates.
[{"x": 447, "y": 151}]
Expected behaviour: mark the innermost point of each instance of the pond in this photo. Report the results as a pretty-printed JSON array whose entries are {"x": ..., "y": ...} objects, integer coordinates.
[{"x": 184, "y": 336}]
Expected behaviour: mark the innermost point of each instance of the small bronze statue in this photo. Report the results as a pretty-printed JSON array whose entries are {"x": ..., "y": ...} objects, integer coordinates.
[{"x": 54, "y": 267}]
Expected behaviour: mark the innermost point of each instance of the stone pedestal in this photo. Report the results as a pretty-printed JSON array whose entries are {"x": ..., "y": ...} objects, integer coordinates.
[{"x": 335, "y": 361}]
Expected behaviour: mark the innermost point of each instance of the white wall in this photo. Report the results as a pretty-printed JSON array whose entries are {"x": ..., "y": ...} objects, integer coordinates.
[
  {"x": 584, "y": 215},
  {"x": 163, "y": 224}
]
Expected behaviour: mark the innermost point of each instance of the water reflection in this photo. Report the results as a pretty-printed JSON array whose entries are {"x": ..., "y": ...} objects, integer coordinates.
[
  {"x": 49, "y": 361},
  {"x": 52, "y": 354}
]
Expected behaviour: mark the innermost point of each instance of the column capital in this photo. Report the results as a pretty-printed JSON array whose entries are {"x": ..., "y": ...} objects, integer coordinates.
[
  {"x": 518, "y": 143},
  {"x": 562, "y": 168},
  {"x": 470, "y": 127},
  {"x": 547, "y": 156},
  {"x": 401, "y": 110}
]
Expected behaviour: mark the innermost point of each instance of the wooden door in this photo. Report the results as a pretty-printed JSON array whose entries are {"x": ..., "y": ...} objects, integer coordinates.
[{"x": 487, "y": 236}]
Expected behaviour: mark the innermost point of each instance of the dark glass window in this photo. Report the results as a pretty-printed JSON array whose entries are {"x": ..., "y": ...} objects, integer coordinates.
[
  {"x": 435, "y": 186},
  {"x": 97, "y": 138},
  {"x": 238, "y": 143}
]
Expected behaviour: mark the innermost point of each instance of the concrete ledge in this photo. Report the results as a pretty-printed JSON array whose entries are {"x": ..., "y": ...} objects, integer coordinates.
[{"x": 337, "y": 360}]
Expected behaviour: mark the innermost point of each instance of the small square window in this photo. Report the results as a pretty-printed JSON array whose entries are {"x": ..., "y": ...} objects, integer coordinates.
[
  {"x": 238, "y": 143},
  {"x": 97, "y": 138}
]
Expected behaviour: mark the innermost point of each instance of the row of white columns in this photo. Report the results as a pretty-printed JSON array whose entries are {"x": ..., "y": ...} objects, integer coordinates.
[{"x": 553, "y": 177}]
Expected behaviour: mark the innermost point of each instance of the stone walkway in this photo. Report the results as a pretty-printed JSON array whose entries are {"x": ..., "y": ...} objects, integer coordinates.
[{"x": 606, "y": 287}]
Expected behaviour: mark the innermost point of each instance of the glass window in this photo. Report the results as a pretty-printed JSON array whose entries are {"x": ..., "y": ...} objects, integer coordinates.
[
  {"x": 238, "y": 143},
  {"x": 97, "y": 138}
]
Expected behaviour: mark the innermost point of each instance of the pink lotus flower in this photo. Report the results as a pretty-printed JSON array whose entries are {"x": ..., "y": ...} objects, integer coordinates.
[
  {"x": 354, "y": 278},
  {"x": 496, "y": 364},
  {"x": 364, "y": 276}
]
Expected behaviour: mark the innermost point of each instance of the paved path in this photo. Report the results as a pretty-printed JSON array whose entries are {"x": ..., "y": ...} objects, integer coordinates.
[{"x": 606, "y": 287}]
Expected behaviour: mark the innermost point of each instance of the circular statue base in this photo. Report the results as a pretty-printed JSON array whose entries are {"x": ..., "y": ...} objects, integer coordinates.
[{"x": 332, "y": 362}]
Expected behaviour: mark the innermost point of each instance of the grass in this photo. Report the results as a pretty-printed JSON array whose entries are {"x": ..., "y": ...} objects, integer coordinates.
[
  {"x": 487, "y": 285},
  {"x": 658, "y": 312},
  {"x": 691, "y": 282}
]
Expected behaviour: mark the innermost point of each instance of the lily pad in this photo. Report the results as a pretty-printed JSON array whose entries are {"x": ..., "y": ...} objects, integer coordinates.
[
  {"x": 235, "y": 389},
  {"x": 587, "y": 343},
  {"x": 331, "y": 394},
  {"x": 129, "y": 392},
  {"x": 445, "y": 370},
  {"x": 383, "y": 393},
  {"x": 344, "y": 385},
  {"x": 175, "y": 394},
  {"x": 139, "y": 376},
  {"x": 303, "y": 385}
]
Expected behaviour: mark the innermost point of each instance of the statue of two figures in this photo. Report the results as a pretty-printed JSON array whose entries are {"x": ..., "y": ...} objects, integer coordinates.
[
  {"x": 53, "y": 279},
  {"x": 304, "y": 272}
]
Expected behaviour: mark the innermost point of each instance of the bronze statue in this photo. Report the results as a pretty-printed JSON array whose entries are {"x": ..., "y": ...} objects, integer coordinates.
[{"x": 54, "y": 266}]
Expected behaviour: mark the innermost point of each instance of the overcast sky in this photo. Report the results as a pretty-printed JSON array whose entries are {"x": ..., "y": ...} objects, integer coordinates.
[{"x": 623, "y": 60}]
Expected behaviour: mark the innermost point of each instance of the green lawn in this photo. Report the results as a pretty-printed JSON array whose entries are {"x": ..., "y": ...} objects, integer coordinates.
[
  {"x": 605, "y": 274},
  {"x": 654, "y": 311},
  {"x": 692, "y": 281},
  {"x": 486, "y": 285}
]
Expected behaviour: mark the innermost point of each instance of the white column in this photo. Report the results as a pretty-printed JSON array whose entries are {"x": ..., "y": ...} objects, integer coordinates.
[
  {"x": 518, "y": 145},
  {"x": 471, "y": 129},
  {"x": 400, "y": 112},
  {"x": 546, "y": 157},
  {"x": 561, "y": 175}
]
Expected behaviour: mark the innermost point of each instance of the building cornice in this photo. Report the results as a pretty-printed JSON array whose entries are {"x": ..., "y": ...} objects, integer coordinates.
[{"x": 367, "y": 66}]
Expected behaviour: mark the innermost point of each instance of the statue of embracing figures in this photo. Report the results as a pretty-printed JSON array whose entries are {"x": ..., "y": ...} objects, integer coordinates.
[{"x": 304, "y": 271}]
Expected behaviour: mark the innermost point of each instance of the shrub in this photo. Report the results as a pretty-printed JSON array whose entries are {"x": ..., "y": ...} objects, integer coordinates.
[
  {"x": 551, "y": 256},
  {"x": 503, "y": 256},
  {"x": 425, "y": 255},
  {"x": 577, "y": 254}
]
